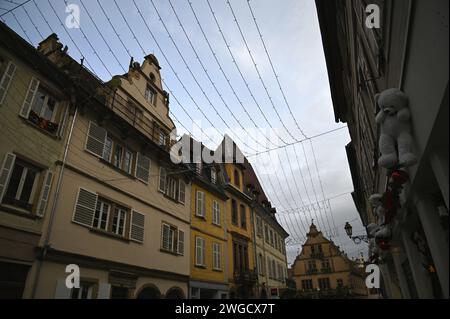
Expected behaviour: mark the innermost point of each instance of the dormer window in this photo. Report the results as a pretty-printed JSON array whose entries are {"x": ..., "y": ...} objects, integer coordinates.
[
  {"x": 198, "y": 168},
  {"x": 152, "y": 77},
  {"x": 213, "y": 175},
  {"x": 162, "y": 138},
  {"x": 237, "y": 179},
  {"x": 150, "y": 95}
]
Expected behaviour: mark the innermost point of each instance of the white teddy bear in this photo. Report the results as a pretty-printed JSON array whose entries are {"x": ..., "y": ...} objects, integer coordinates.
[{"x": 394, "y": 120}]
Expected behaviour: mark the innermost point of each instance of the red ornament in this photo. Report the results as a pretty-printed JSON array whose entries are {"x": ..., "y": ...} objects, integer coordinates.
[
  {"x": 383, "y": 244},
  {"x": 399, "y": 177}
]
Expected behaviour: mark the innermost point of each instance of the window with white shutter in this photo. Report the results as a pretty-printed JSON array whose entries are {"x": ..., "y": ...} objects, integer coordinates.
[
  {"x": 200, "y": 204},
  {"x": 95, "y": 142},
  {"x": 142, "y": 168},
  {"x": 216, "y": 256},
  {"x": 199, "y": 251},
  {"x": 137, "y": 226},
  {"x": 43, "y": 198},
  {"x": 181, "y": 191},
  {"x": 216, "y": 213},
  {"x": 85, "y": 207},
  {"x": 162, "y": 179},
  {"x": 5, "y": 173},
  {"x": 6, "y": 80},
  {"x": 29, "y": 98},
  {"x": 180, "y": 242}
]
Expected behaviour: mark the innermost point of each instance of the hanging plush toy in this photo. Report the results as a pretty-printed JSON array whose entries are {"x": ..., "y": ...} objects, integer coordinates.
[{"x": 394, "y": 121}]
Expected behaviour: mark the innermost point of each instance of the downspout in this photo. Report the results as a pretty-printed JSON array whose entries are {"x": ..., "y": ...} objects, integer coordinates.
[
  {"x": 255, "y": 261},
  {"x": 53, "y": 210}
]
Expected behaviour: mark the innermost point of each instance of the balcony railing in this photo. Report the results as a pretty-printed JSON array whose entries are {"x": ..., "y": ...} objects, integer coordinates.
[
  {"x": 245, "y": 276},
  {"x": 318, "y": 255},
  {"x": 136, "y": 116}
]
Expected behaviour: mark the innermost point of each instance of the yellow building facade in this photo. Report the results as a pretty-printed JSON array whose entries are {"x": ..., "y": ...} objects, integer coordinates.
[
  {"x": 241, "y": 262},
  {"x": 323, "y": 271},
  {"x": 208, "y": 276}
]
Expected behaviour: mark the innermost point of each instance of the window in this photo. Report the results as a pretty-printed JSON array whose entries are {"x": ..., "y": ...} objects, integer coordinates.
[
  {"x": 107, "y": 150},
  {"x": 172, "y": 239},
  {"x": 240, "y": 257},
  {"x": 118, "y": 224},
  {"x": 118, "y": 152},
  {"x": 171, "y": 187},
  {"x": 324, "y": 283},
  {"x": 216, "y": 213},
  {"x": 260, "y": 264},
  {"x": 326, "y": 265},
  {"x": 243, "y": 217},
  {"x": 22, "y": 186},
  {"x": 237, "y": 179},
  {"x": 213, "y": 175},
  {"x": 312, "y": 266},
  {"x": 6, "y": 80},
  {"x": 162, "y": 138},
  {"x": 271, "y": 237},
  {"x": 200, "y": 251},
  {"x": 84, "y": 292},
  {"x": 44, "y": 105},
  {"x": 266, "y": 233},
  {"x": 128, "y": 161},
  {"x": 234, "y": 212},
  {"x": 259, "y": 227},
  {"x": 200, "y": 204},
  {"x": 216, "y": 256},
  {"x": 96, "y": 212},
  {"x": 307, "y": 284},
  {"x": 340, "y": 282},
  {"x": 150, "y": 95},
  {"x": 101, "y": 215}
]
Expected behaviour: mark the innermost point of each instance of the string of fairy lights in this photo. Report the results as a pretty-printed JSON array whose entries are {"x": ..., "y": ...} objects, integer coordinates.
[{"x": 303, "y": 196}]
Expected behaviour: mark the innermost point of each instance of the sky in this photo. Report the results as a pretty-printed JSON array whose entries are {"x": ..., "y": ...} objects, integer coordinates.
[{"x": 212, "y": 80}]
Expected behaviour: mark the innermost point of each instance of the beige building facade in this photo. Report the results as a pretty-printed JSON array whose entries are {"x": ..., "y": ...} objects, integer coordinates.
[{"x": 121, "y": 209}]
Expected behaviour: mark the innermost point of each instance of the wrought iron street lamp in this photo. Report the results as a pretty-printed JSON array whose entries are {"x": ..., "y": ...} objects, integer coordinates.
[{"x": 356, "y": 239}]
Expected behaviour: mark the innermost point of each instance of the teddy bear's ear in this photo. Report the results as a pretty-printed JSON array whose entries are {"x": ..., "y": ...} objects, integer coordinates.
[{"x": 377, "y": 107}]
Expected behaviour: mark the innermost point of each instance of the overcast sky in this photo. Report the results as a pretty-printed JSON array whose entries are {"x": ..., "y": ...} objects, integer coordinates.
[{"x": 291, "y": 33}]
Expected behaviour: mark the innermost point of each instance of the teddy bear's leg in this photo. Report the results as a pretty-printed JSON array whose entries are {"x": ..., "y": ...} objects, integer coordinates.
[
  {"x": 405, "y": 154},
  {"x": 388, "y": 156}
]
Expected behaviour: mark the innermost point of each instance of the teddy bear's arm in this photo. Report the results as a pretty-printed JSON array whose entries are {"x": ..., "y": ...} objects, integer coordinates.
[
  {"x": 403, "y": 115},
  {"x": 380, "y": 117}
]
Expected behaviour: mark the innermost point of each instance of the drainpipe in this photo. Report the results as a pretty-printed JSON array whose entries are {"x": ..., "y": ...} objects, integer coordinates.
[{"x": 53, "y": 210}]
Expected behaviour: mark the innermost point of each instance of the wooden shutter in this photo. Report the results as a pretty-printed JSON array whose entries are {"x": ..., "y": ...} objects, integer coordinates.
[
  {"x": 45, "y": 192},
  {"x": 5, "y": 173},
  {"x": 198, "y": 251},
  {"x": 181, "y": 191},
  {"x": 85, "y": 207},
  {"x": 198, "y": 204},
  {"x": 104, "y": 291},
  {"x": 6, "y": 80},
  {"x": 31, "y": 93},
  {"x": 162, "y": 179},
  {"x": 142, "y": 168},
  {"x": 137, "y": 226},
  {"x": 180, "y": 248},
  {"x": 95, "y": 142},
  {"x": 62, "y": 292},
  {"x": 63, "y": 122},
  {"x": 165, "y": 234}
]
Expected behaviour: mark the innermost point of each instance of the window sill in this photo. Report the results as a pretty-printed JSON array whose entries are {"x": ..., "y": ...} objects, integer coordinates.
[
  {"x": 200, "y": 217},
  {"x": 217, "y": 270},
  {"x": 201, "y": 266},
  {"x": 216, "y": 225},
  {"x": 169, "y": 252},
  {"x": 108, "y": 234},
  {"x": 121, "y": 171},
  {"x": 43, "y": 131},
  {"x": 19, "y": 211}
]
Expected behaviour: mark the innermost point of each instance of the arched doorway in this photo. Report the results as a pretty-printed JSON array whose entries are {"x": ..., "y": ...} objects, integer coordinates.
[
  {"x": 149, "y": 292},
  {"x": 175, "y": 293}
]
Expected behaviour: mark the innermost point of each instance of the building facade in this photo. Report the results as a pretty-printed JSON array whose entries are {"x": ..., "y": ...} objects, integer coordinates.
[
  {"x": 268, "y": 240},
  {"x": 209, "y": 238},
  {"x": 409, "y": 51},
  {"x": 34, "y": 105},
  {"x": 321, "y": 270},
  {"x": 121, "y": 209}
]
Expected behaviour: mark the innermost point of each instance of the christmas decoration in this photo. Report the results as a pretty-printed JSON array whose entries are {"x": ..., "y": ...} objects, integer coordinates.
[{"x": 394, "y": 121}]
